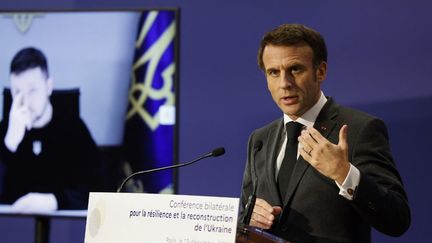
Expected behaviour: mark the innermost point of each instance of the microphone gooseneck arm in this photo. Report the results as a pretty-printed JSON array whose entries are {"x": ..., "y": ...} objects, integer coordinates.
[
  {"x": 252, "y": 198},
  {"x": 215, "y": 153}
]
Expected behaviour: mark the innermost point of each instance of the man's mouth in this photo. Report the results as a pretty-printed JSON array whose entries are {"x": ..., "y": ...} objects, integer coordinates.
[{"x": 289, "y": 100}]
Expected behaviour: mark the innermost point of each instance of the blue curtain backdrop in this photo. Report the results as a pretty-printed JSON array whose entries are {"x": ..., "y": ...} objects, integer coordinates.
[{"x": 150, "y": 121}]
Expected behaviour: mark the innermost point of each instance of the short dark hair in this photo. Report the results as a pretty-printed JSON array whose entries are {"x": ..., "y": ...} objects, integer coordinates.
[
  {"x": 292, "y": 34},
  {"x": 29, "y": 58}
]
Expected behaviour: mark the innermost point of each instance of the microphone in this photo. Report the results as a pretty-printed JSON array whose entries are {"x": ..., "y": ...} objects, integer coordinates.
[
  {"x": 215, "y": 153},
  {"x": 252, "y": 198}
]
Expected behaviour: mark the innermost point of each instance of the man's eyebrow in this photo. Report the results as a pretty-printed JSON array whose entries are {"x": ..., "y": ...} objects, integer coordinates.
[
  {"x": 270, "y": 69},
  {"x": 296, "y": 64}
]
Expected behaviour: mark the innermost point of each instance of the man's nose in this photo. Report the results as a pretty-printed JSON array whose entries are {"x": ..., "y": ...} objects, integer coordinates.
[{"x": 286, "y": 80}]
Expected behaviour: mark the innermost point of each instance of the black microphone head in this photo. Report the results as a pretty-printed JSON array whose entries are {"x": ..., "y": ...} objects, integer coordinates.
[
  {"x": 258, "y": 145},
  {"x": 218, "y": 152}
]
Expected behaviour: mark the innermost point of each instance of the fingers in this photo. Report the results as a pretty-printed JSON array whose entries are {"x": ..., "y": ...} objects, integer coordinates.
[
  {"x": 19, "y": 111},
  {"x": 328, "y": 158},
  {"x": 20, "y": 121},
  {"x": 27, "y": 120},
  {"x": 264, "y": 214},
  {"x": 311, "y": 138},
  {"x": 343, "y": 143},
  {"x": 306, "y": 147},
  {"x": 23, "y": 115},
  {"x": 315, "y": 135},
  {"x": 17, "y": 101},
  {"x": 308, "y": 141},
  {"x": 306, "y": 155},
  {"x": 258, "y": 221},
  {"x": 264, "y": 204}
]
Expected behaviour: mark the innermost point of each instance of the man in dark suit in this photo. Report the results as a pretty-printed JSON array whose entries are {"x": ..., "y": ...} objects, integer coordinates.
[
  {"x": 51, "y": 160},
  {"x": 342, "y": 180}
]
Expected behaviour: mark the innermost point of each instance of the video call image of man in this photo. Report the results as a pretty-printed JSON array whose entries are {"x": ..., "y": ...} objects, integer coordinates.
[
  {"x": 323, "y": 172},
  {"x": 50, "y": 162}
]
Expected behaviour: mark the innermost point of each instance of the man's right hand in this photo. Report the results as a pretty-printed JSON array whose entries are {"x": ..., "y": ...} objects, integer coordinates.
[
  {"x": 19, "y": 122},
  {"x": 264, "y": 214}
]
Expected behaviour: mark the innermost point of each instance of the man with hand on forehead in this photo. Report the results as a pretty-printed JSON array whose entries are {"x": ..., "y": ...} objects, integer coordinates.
[
  {"x": 51, "y": 162},
  {"x": 324, "y": 172}
]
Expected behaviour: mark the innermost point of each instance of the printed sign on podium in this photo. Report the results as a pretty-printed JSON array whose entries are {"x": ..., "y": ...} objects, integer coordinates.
[{"x": 143, "y": 217}]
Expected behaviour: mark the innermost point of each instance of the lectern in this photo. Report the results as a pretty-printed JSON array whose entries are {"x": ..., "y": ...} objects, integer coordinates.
[{"x": 248, "y": 234}]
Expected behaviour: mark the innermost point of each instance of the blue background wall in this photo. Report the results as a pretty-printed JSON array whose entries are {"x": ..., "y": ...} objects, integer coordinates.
[{"x": 379, "y": 61}]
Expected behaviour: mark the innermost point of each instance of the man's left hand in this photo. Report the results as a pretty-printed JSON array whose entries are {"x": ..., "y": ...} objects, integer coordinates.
[
  {"x": 329, "y": 159},
  {"x": 35, "y": 203}
]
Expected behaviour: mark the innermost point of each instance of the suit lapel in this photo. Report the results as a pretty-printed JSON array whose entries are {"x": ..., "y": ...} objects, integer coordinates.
[
  {"x": 324, "y": 124},
  {"x": 325, "y": 127},
  {"x": 274, "y": 137},
  {"x": 298, "y": 172}
]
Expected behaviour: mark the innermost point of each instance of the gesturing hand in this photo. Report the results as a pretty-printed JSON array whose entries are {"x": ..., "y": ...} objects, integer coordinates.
[
  {"x": 329, "y": 159},
  {"x": 19, "y": 122},
  {"x": 264, "y": 214}
]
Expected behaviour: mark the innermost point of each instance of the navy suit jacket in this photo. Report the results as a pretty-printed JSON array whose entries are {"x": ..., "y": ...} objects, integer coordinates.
[{"x": 313, "y": 210}]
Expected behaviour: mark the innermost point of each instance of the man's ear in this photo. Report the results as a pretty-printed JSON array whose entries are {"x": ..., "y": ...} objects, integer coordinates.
[
  {"x": 49, "y": 86},
  {"x": 321, "y": 72}
]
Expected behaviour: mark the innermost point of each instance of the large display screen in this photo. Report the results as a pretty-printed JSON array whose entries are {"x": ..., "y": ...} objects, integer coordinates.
[{"x": 124, "y": 65}]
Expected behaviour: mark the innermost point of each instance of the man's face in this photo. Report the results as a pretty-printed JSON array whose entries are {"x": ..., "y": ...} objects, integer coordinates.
[
  {"x": 292, "y": 80},
  {"x": 33, "y": 89}
]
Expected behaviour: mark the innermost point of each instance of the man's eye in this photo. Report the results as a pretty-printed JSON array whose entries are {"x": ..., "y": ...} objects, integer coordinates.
[
  {"x": 273, "y": 73},
  {"x": 296, "y": 70}
]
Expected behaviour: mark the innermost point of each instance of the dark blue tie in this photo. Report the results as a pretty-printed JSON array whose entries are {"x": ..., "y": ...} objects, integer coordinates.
[{"x": 293, "y": 130}]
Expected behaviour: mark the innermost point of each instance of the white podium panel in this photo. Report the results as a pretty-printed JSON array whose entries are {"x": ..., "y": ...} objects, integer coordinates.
[{"x": 141, "y": 217}]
